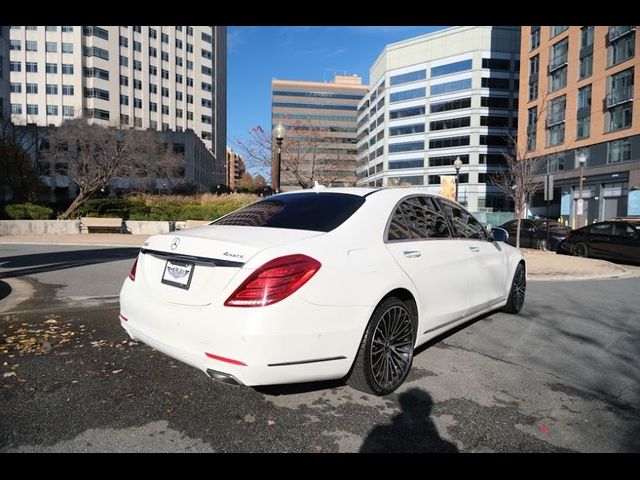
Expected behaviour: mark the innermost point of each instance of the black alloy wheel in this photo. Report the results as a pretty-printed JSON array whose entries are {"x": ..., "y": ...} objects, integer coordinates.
[
  {"x": 518, "y": 291},
  {"x": 386, "y": 351},
  {"x": 580, "y": 250}
]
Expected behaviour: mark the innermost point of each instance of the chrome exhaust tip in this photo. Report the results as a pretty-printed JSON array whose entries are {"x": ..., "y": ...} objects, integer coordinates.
[{"x": 223, "y": 378}]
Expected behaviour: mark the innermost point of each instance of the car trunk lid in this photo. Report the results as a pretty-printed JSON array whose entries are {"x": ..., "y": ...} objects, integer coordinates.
[{"x": 193, "y": 267}]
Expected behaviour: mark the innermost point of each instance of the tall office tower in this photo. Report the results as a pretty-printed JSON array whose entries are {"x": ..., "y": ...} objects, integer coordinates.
[
  {"x": 4, "y": 72},
  {"x": 169, "y": 78},
  {"x": 438, "y": 97},
  {"x": 320, "y": 119},
  {"x": 577, "y": 114}
]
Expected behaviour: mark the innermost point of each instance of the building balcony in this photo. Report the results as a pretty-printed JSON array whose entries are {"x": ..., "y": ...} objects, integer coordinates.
[
  {"x": 555, "y": 119},
  {"x": 619, "y": 31},
  {"x": 618, "y": 97},
  {"x": 557, "y": 62}
]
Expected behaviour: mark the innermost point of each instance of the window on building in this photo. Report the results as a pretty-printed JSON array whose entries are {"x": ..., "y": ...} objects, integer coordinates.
[
  {"x": 153, "y": 107},
  {"x": 179, "y": 96},
  {"x": 179, "y": 61},
  {"x": 137, "y": 46},
  {"x": 207, "y": 103},
  {"x": 31, "y": 46},
  {"x": 16, "y": 109},
  {"x": 535, "y": 38},
  {"x": 407, "y": 95},
  {"x": 51, "y": 47},
  {"x": 586, "y": 67},
  {"x": 153, "y": 33},
  {"x": 32, "y": 109},
  {"x": 165, "y": 92},
  {"x": 15, "y": 67},
  {"x": 207, "y": 70},
  {"x": 450, "y": 68},
  {"x": 67, "y": 69},
  {"x": 137, "y": 103},
  {"x": 164, "y": 56},
  {"x": 622, "y": 42},
  {"x": 124, "y": 41},
  {"x": 584, "y": 112},
  {"x": 532, "y": 126},
  {"x": 619, "y": 100},
  {"x": 137, "y": 65},
  {"x": 124, "y": 80},
  {"x": 32, "y": 67},
  {"x": 165, "y": 109},
  {"x": 619, "y": 150},
  {"x": 52, "y": 89},
  {"x": 124, "y": 99},
  {"x": 67, "y": 90},
  {"x": 451, "y": 86},
  {"x": 164, "y": 38},
  {"x": 124, "y": 61},
  {"x": 67, "y": 111},
  {"x": 32, "y": 88},
  {"x": 16, "y": 88},
  {"x": 557, "y": 30},
  {"x": 15, "y": 45},
  {"x": 67, "y": 47},
  {"x": 52, "y": 110},
  {"x": 556, "y": 121}
]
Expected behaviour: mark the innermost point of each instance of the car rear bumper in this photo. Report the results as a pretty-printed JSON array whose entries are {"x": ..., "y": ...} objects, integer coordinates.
[{"x": 288, "y": 342}]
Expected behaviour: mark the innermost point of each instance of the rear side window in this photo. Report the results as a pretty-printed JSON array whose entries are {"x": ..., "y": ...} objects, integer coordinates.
[
  {"x": 601, "y": 229},
  {"x": 320, "y": 212},
  {"x": 417, "y": 218}
]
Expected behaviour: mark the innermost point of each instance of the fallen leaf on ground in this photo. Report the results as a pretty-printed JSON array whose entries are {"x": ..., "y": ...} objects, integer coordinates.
[
  {"x": 51, "y": 320},
  {"x": 116, "y": 371},
  {"x": 9, "y": 374}
]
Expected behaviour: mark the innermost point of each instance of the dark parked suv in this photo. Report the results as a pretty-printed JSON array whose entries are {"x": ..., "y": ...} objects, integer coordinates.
[
  {"x": 533, "y": 233},
  {"x": 613, "y": 240}
]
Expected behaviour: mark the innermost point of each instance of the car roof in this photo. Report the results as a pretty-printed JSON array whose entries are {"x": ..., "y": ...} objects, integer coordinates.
[{"x": 365, "y": 191}]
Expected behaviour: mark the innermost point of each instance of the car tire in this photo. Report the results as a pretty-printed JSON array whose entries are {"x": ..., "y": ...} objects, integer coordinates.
[
  {"x": 518, "y": 291},
  {"x": 542, "y": 244},
  {"x": 581, "y": 250},
  {"x": 386, "y": 351}
]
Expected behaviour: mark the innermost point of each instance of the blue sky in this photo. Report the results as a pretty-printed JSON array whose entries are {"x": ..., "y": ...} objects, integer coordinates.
[{"x": 256, "y": 55}]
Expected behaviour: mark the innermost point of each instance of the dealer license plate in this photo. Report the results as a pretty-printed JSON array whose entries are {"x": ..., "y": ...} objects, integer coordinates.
[{"x": 178, "y": 274}]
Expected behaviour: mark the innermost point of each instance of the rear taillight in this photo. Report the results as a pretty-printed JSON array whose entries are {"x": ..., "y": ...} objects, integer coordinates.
[
  {"x": 132, "y": 273},
  {"x": 274, "y": 281}
]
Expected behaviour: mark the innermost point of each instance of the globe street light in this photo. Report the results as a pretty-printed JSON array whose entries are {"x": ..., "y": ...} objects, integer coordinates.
[
  {"x": 582, "y": 159},
  {"x": 457, "y": 164},
  {"x": 278, "y": 133}
]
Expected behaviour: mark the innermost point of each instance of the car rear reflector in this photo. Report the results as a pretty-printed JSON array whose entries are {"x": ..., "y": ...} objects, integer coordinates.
[
  {"x": 274, "y": 281},
  {"x": 132, "y": 273}
]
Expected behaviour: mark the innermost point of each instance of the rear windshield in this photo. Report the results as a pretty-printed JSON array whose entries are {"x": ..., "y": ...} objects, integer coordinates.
[{"x": 320, "y": 212}]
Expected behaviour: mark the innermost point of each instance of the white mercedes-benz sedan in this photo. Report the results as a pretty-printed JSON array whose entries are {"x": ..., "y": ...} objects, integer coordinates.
[{"x": 319, "y": 284}]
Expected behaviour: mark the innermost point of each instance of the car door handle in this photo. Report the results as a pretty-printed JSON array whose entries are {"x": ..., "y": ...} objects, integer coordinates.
[
  {"x": 411, "y": 253},
  {"x": 474, "y": 249}
]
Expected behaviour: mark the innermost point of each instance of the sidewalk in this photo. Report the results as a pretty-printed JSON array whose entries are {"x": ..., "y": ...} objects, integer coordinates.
[{"x": 540, "y": 265}]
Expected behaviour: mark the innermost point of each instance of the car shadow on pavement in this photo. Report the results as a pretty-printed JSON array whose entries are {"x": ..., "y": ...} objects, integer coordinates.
[
  {"x": 24, "y": 265},
  {"x": 5, "y": 290},
  {"x": 411, "y": 430}
]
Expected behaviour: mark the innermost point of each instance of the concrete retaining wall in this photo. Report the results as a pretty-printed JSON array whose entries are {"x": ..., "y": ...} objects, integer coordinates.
[
  {"x": 57, "y": 227},
  {"x": 38, "y": 227}
]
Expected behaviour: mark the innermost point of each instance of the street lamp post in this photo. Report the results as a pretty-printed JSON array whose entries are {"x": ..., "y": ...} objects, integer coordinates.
[
  {"x": 582, "y": 159},
  {"x": 457, "y": 164},
  {"x": 278, "y": 133}
]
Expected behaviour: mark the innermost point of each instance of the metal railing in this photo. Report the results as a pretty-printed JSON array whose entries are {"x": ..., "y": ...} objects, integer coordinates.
[
  {"x": 618, "y": 96},
  {"x": 616, "y": 32},
  {"x": 557, "y": 62}
]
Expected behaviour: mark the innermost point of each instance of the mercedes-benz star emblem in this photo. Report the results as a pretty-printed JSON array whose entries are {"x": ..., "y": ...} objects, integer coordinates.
[{"x": 175, "y": 243}]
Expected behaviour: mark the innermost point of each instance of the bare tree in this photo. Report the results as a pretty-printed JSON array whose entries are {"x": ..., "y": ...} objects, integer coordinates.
[
  {"x": 520, "y": 178},
  {"x": 94, "y": 155},
  {"x": 305, "y": 158},
  {"x": 17, "y": 167}
]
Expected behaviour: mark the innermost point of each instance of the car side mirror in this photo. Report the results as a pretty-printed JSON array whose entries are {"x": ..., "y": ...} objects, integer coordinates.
[{"x": 499, "y": 234}]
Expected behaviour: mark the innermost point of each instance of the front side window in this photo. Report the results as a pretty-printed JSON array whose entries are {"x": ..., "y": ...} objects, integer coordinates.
[{"x": 464, "y": 224}]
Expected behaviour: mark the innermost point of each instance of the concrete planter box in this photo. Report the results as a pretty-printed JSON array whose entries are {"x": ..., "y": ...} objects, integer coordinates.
[{"x": 138, "y": 227}]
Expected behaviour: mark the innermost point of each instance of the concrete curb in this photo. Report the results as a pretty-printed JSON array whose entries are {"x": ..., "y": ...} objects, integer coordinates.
[{"x": 21, "y": 291}]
